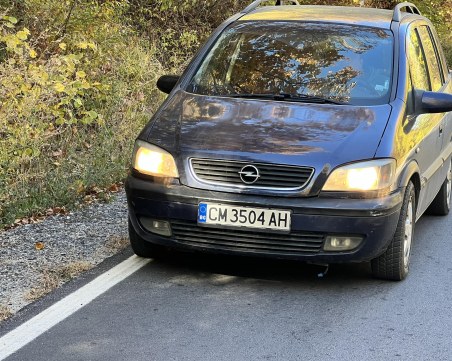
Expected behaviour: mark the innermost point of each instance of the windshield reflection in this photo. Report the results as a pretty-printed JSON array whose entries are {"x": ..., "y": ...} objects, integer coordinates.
[{"x": 343, "y": 63}]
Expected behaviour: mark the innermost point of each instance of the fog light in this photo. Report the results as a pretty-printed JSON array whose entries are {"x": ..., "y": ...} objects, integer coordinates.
[
  {"x": 162, "y": 228},
  {"x": 341, "y": 243}
]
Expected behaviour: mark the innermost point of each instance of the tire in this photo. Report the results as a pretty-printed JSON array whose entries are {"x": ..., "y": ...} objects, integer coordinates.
[
  {"x": 141, "y": 247},
  {"x": 395, "y": 262},
  {"x": 442, "y": 202}
]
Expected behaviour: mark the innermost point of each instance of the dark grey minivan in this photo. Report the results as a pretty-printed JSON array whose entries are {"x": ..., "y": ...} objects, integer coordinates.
[{"x": 300, "y": 132}]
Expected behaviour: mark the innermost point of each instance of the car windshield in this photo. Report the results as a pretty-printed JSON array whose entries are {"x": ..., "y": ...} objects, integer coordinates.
[{"x": 340, "y": 63}]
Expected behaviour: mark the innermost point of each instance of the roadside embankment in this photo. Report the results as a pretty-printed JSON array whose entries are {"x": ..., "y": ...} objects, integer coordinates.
[{"x": 37, "y": 258}]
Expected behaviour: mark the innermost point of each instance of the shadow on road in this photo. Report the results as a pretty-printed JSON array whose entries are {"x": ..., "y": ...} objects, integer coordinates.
[{"x": 203, "y": 265}]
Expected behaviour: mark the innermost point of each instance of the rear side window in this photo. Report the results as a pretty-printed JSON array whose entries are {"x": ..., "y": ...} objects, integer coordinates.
[
  {"x": 418, "y": 63},
  {"x": 431, "y": 54},
  {"x": 441, "y": 56}
]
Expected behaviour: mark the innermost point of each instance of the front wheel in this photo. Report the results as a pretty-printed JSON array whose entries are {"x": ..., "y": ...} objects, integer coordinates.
[{"x": 395, "y": 262}]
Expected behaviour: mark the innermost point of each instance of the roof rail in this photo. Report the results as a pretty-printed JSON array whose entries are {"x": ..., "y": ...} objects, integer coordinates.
[
  {"x": 255, "y": 4},
  {"x": 409, "y": 7}
]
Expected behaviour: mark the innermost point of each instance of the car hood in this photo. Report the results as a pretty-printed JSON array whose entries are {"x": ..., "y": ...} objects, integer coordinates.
[{"x": 283, "y": 132}]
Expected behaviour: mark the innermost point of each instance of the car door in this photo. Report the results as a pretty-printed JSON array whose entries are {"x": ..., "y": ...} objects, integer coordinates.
[
  {"x": 426, "y": 129},
  {"x": 438, "y": 83}
]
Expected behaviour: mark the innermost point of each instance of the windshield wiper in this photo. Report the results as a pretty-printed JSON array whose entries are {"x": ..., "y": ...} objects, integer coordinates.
[
  {"x": 304, "y": 98},
  {"x": 309, "y": 99},
  {"x": 252, "y": 96}
]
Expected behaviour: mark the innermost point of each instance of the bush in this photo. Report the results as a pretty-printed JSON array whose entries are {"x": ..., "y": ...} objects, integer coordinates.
[
  {"x": 74, "y": 95},
  {"x": 179, "y": 27}
]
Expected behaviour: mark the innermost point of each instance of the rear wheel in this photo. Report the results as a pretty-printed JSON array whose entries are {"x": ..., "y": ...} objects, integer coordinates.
[
  {"x": 141, "y": 247},
  {"x": 395, "y": 262},
  {"x": 441, "y": 204}
]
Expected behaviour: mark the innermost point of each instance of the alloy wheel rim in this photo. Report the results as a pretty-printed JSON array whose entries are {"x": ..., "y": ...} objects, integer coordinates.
[
  {"x": 409, "y": 223},
  {"x": 449, "y": 186}
]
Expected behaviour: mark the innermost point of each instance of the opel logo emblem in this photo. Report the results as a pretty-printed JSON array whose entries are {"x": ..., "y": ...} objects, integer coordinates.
[{"x": 249, "y": 174}]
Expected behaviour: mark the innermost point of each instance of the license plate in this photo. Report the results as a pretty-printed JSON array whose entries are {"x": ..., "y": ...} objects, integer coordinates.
[{"x": 247, "y": 217}]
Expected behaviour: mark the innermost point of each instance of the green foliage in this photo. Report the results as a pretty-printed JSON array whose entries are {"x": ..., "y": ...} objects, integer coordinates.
[
  {"x": 77, "y": 83},
  {"x": 179, "y": 27},
  {"x": 74, "y": 92}
]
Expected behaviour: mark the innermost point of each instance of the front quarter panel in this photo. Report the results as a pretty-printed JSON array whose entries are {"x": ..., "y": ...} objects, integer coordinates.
[{"x": 421, "y": 144}]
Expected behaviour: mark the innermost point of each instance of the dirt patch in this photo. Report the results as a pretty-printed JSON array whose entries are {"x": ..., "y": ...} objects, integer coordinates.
[
  {"x": 117, "y": 243},
  {"x": 53, "y": 278},
  {"x": 5, "y": 312}
]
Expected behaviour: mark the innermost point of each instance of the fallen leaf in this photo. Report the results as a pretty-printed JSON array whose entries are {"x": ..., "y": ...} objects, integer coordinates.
[
  {"x": 60, "y": 210},
  {"x": 59, "y": 87},
  {"x": 113, "y": 188},
  {"x": 39, "y": 246}
]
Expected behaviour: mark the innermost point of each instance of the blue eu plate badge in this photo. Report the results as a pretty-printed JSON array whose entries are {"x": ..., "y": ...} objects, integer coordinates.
[{"x": 202, "y": 213}]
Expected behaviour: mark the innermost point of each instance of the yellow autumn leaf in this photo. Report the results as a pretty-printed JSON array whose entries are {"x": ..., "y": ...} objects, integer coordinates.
[
  {"x": 11, "y": 19},
  {"x": 85, "y": 85},
  {"x": 59, "y": 121},
  {"x": 25, "y": 88},
  {"x": 11, "y": 41},
  {"x": 82, "y": 45},
  {"x": 59, "y": 87},
  {"x": 80, "y": 74},
  {"x": 62, "y": 46},
  {"x": 23, "y": 34},
  {"x": 32, "y": 53}
]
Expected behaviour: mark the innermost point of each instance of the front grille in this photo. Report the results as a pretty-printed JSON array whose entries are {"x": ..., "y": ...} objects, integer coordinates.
[
  {"x": 295, "y": 243},
  {"x": 272, "y": 176}
]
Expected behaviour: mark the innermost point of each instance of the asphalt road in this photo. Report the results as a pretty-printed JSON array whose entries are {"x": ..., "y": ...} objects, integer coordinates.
[{"x": 242, "y": 309}]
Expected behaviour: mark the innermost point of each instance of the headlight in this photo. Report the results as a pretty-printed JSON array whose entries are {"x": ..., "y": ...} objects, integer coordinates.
[
  {"x": 151, "y": 160},
  {"x": 374, "y": 175}
]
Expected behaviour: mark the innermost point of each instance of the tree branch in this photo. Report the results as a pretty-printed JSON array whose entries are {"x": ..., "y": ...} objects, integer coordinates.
[{"x": 68, "y": 17}]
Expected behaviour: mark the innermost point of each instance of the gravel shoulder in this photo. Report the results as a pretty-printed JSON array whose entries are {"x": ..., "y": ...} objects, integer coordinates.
[{"x": 37, "y": 258}]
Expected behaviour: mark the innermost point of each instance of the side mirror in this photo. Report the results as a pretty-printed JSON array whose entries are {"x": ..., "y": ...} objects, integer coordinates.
[
  {"x": 166, "y": 83},
  {"x": 432, "y": 102}
]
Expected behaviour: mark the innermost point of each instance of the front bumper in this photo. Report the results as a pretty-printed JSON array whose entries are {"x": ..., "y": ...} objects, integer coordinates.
[{"x": 312, "y": 219}]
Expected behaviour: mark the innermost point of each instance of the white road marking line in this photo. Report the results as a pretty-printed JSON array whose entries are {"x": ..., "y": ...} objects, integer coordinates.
[{"x": 36, "y": 326}]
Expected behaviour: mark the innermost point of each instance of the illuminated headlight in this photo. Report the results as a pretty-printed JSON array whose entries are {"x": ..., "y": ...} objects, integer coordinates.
[
  {"x": 151, "y": 160},
  {"x": 375, "y": 175}
]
